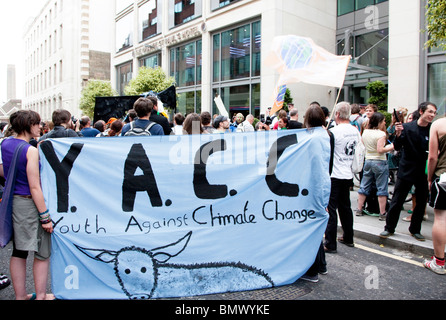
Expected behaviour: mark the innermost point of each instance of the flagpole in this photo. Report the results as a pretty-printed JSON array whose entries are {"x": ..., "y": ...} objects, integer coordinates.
[
  {"x": 336, "y": 102},
  {"x": 339, "y": 94}
]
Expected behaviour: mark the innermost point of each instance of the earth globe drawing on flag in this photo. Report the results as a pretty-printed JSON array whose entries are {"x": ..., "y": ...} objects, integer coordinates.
[
  {"x": 296, "y": 54},
  {"x": 299, "y": 59}
]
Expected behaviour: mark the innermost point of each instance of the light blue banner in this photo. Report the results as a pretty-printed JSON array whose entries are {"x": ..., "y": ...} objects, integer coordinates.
[{"x": 172, "y": 216}]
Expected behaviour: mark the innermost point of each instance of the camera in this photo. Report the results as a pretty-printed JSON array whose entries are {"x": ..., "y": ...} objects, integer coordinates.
[
  {"x": 266, "y": 121},
  {"x": 73, "y": 119}
]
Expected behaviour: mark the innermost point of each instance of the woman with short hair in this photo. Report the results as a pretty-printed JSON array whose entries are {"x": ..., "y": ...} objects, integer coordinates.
[{"x": 31, "y": 219}]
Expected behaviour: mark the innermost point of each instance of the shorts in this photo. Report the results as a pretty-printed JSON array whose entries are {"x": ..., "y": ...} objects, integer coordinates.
[
  {"x": 375, "y": 171},
  {"x": 28, "y": 232},
  {"x": 437, "y": 199}
]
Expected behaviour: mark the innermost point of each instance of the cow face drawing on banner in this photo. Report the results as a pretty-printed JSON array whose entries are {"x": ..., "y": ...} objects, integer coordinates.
[{"x": 142, "y": 273}]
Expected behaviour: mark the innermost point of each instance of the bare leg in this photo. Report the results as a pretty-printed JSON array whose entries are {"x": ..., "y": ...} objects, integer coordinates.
[
  {"x": 40, "y": 271},
  {"x": 17, "y": 268},
  {"x": 439, "y": 233},
  {"x": 361, "y": 200},
  {"x": 382, "y": 200}
]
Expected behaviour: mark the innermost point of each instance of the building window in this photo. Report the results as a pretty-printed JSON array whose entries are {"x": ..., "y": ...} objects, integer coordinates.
[
  {"x": 372, "y": 49},
  {"x": 216, "y": 4},
  {"x": 348, "y": 6},
  {"x": 151, "y": 61},
  {"x": 182, "y": 11},
  {"x": 236, "y": 68},
  {"x": 148, "y": 20},
  {"x": 436, "y": 85},
  {"x": 124, "y": 32},
  {"x": 361, "y": 4},
  {"x": 185, "y": 67},
  {"x": 345, "y": 6},
  {"x": 125, "y": 72}
]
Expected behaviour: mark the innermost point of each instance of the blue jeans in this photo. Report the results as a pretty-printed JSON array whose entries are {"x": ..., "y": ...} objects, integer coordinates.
[{"x": 375, "y": 171}]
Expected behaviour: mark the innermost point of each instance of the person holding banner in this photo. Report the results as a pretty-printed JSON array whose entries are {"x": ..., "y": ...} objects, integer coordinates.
[
  {"x": 346, "y": 138},
  {"x": 192, "y": 124},
  {"x": 315, "y": 117},
  {"x": 31, "y": 219}
]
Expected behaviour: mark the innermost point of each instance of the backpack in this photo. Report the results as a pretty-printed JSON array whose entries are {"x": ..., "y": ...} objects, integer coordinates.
[
  {"x": 356, "y": 124},
  {"x": 137, "y": 131},
  {"x": 358, "y": 157}
]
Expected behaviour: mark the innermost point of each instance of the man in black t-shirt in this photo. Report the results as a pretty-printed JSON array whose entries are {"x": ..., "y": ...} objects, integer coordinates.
[
  {"x": 158, "y": 118},
  {"x": 413, "y": 139}
]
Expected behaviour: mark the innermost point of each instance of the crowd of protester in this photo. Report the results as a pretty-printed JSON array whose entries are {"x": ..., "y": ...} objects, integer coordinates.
[{"x": 403, "y": 145}]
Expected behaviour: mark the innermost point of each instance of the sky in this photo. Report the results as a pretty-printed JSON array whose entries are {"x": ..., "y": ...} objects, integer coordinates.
[{"x": 14, "y": 15}]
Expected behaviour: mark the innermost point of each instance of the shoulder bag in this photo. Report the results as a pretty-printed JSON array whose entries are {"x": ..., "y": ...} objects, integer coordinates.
[{"x": 6, "y": 230}]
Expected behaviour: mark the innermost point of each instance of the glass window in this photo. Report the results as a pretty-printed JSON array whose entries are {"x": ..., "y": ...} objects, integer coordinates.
[
  {"x": 184, "y": 11},
  {"x": 215, "y": 4},
  {"x": 345, "y": 6},
  {"x": 152, "y": 61},
  {"x": 186, "y": 102},
  {"x": 436, "y": 86},
  {"x": 372, "y": 49},
  {"x": 186, "y": 64},
  {"x": 189, "y": 102},
  {"x": 124, "y": 76},
  {"x": 216, "y": 58},
  {"x": 124, "y": 32},
  {"x": 360, "y": 4},
  {"x": 186, "y": 68},
  {"x": 236, "y": 53},
  {"x": 148, "y": 20},
  {"x": 237, "y": 68},
  {"x": 256, "y": 43},
  {"x": 236, "y": 98},
  {"x": 255, "y": 100}
]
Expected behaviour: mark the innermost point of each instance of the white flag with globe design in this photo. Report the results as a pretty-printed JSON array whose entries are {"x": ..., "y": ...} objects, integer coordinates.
[{"x": 299, "y": 59}]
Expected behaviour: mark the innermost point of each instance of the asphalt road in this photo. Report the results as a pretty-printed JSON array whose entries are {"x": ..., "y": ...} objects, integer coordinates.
[{"x": 366, "y": 272}]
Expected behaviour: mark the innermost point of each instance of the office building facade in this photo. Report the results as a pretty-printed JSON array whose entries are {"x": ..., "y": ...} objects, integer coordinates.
[
  {"x": 216, "y": 48},
  {"x": 68, "y": 43}
]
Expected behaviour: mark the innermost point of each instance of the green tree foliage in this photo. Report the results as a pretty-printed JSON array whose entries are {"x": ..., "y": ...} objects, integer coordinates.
[
  {"x": 148, "y": 79},
  {"x": 93, "y": 89},
  {"x": 378, "y": 94},
  {"x": 287, "y": 99},
  {"x": 436, "y": 23}
]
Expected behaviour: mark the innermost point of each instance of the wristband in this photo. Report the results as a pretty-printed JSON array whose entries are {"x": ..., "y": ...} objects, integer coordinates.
[
  {"x": 45, "y": 221},
  {"x": 47, "y": 210}
]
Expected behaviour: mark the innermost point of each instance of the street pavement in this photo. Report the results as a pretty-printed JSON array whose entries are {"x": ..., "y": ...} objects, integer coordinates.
[
  {"x": 369, "y": 227},
  {"x": 366, "y": 228}
]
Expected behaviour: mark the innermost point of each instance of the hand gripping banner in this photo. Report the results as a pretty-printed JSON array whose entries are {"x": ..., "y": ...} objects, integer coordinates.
[{"x": 173, "y": 216}]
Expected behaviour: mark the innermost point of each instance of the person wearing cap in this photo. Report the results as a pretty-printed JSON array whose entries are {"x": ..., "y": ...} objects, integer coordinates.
[
  {"x": 87, "y": 130},
  {"x": 221, "y": 124}
]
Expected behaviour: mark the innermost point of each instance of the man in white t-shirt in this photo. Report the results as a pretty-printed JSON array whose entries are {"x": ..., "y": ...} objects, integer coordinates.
[
  {"x": 246, "y": 126},
  {"x": 346, "y": 138}
]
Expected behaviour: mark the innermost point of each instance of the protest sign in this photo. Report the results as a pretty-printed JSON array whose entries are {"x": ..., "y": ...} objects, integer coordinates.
[{"x": 171, "y": 216}]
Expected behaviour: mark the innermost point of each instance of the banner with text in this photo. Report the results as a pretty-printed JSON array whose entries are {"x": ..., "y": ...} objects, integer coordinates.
[{"x": 172, "y": 216}]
